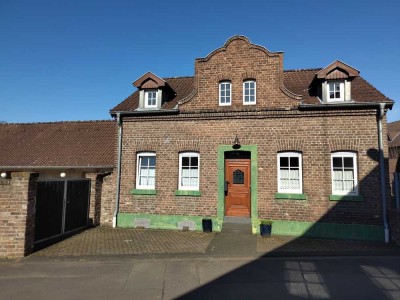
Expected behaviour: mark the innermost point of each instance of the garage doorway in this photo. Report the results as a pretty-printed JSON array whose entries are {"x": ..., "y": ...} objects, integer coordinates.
[{"x": 62, "y": 207}]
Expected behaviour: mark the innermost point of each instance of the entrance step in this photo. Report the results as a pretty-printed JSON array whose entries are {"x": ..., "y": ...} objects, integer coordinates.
[
  {"x": 237, "y": 220},
  {"x": 235, "y": 239}
]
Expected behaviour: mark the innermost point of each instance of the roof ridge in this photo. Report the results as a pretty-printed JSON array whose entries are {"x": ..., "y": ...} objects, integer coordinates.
[
  {"x": 299, "y": 70},
  {"x": 176, "y": 77},
  {"x": 58, "y": 122}
]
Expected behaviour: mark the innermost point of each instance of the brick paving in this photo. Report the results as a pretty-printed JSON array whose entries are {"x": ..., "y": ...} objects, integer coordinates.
[
  {"x": 114, "y": 241},
  {"x": 291, "y": 244},
  {"x": 120, "y": 241}
]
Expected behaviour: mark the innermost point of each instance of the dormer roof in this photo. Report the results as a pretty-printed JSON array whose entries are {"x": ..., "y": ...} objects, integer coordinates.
[
  {"x": 337, "y": 70},
  {"x": 149, "y": 81}
]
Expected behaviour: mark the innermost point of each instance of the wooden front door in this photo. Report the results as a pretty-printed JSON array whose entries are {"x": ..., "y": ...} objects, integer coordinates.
[{"x": 237, "y": 187}]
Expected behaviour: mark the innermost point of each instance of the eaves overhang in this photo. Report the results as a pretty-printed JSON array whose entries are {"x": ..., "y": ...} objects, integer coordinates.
[
  {"x": 348, "y": 105},
  {"x": 147, "y": 112}
]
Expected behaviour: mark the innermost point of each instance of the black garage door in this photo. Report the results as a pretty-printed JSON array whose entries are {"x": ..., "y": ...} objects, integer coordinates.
[{"x": 61, "y": 208}]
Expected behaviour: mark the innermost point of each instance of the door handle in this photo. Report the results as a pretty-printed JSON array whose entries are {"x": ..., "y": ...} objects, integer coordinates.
[{"x": 226, "y": 186}]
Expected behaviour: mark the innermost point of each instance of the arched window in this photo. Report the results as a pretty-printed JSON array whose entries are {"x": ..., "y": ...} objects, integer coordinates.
[
  {"x": 189, "y": 171},
  {"x": 290, "y": 173}
]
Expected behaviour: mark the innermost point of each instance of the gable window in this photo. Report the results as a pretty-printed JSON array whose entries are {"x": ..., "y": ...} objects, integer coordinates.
[
  {"x": 189, "y": 163},
  {"x": 225, "y": 88},
  {"x": 289, "y": 172},
  {"x": 150, "y": 99},
  {"x": 344, "y": 173},
  {"x": 146, "y": 170},
  {"x": 249, "y": 92},
  {"x": 335, "y": 91}
]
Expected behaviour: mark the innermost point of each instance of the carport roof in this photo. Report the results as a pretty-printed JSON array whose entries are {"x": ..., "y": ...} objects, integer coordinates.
[{"x": 80, "y": 144}]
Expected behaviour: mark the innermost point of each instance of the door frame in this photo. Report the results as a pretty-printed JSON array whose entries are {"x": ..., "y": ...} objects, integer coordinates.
[{"x": 254, "y": 180}]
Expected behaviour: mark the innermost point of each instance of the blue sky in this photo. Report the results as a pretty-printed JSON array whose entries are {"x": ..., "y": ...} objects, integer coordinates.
[{"x": 75, "y": 60}]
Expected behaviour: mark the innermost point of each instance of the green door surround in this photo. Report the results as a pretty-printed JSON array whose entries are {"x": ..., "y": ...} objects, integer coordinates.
[{"x": 254, "y": 183}]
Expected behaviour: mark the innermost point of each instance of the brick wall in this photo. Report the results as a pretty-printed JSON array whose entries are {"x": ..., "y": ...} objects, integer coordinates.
[
  {"x": 17, "y": 214},
  {"x": 107, "y": 199},
  {"x": 315, "y": 134},
  {"x": 237, "y": 61}
]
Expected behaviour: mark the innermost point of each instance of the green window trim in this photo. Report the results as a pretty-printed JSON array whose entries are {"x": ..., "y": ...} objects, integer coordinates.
[
  {"x": 143, "y": 192},
  {"x": 346, "y": 198},
  {"x": 187, "y": 193},
  {"x": 290, "y": 196}
]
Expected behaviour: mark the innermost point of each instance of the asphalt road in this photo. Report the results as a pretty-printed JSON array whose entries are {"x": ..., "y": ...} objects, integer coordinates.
[{"x": 201, "y": 278}]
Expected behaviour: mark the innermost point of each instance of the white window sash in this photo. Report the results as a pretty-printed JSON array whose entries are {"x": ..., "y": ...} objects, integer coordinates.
[
  {"x": 146, "y": 99},
  {"x": 249, "y": 89},
  {"x": 290, "y": 176},
  {"x": 149, "y": 176},
  {"x": 222, "y": 87},
  {"x": 341, "y": 90},
  {"x": 190, "y": 174},
  {"x": 344, "y": 180}
]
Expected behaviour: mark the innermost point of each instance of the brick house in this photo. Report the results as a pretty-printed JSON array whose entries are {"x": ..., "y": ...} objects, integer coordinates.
[
  {"x": 241, "y": 138},
  {"x": 245, "y": 138}
]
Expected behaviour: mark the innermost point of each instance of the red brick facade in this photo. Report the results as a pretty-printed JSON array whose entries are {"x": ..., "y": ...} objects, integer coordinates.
[{"x": 279, "y": 121}]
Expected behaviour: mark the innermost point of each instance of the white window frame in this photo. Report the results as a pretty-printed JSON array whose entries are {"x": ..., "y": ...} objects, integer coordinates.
[
  {"x": 146, "y": 98},
  {"x": 342, "y": 154},
  {"x": 341, "y": 90},
  {"x": 223, "y": 83},
  {"x": 188, "y": 188},
  {"x": 255, "y": 92},
  {"x": 290, "y": 154},
  {"x": 138, "y": 161}
]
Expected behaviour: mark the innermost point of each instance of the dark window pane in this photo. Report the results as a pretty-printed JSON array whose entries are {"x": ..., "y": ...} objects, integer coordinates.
[
  {"x": 337, "y": 162},
  {"x": 331, "y": 95},
  {"x": 337, "y": 94},
  {"x": 294, "y": 161},
  {"x": 144, "y": 161},
  {"x": 348, "y": 162},
  {"x": 152, "y": 161},
  {"x": 185, "y": 161},
  {"x": 195, "y": 161},
  {"x": 284, "y": 161}
]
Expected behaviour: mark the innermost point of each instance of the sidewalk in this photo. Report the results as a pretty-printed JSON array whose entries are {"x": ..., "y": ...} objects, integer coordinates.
[{"x": 108, "y": 241}]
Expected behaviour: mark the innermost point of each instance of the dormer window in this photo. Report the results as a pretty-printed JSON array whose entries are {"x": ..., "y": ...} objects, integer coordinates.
[
  {"x": 335, "y": 91},
  {"x": 150, "y": 98},
  {"x": 335, "y": 82},
  {"x": 225, "y": 88}
]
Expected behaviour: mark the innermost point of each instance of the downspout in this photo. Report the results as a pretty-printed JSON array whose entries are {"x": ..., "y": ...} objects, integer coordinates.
[
  {"x": 381, "y": 113},
  {"x": 117, "y": 193}
]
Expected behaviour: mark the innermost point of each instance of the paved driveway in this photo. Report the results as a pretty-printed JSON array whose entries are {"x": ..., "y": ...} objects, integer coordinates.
[{"x": 141, "y": 242}]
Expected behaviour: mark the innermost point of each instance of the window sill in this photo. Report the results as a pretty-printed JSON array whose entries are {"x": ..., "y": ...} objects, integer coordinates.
[
  {"x": 143, "y": 192},
  {"x": 187, "y": 193},
  {"x": 346, "y": 198},
  {"x": 290, "y": 196}
]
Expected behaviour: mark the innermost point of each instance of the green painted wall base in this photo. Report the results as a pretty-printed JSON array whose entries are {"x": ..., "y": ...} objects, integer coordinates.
[
  {"x": 166, "y": 221},
  {"x": 326, "y": 230}
]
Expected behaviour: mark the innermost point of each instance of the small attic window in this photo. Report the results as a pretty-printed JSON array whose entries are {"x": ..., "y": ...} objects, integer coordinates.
[
  {"x": 335, "y": 91},
  {"x": 150, "y": 99}
]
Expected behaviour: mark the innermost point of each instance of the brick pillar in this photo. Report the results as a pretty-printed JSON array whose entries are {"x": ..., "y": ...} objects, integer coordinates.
[
  {"x": 96, "y": 181},
  {"x": 17, "y": 214}
]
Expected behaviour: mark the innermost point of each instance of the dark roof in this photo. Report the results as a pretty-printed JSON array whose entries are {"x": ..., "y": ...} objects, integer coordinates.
[
  {"x": 394, "y": 134},
  {"x": 301, "y": 82},
  {"x": 82, "y": 144},
  {"x": 181, "y": 87}
]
